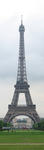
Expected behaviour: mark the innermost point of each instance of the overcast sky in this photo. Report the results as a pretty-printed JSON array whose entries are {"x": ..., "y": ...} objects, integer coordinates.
[{"x": 33, "y": 20}]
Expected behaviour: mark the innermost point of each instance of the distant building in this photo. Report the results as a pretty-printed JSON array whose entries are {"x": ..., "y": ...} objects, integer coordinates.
[{"x": 22, "y": 123}]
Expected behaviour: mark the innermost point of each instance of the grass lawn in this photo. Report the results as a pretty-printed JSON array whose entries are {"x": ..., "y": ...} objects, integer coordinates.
[
  {"x": 20, "y": 136},
  {"x": 22, "y": 147}
]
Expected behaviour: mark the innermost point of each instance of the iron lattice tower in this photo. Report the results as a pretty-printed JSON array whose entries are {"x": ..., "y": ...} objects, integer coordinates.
[{"x": 21, "y": 87}]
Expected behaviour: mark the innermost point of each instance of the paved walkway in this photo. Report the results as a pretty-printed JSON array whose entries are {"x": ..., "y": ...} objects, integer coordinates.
[{"x": 21, "y": 143}]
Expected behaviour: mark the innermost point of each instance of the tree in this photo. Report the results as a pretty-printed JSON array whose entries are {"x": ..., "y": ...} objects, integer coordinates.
[
  {"x": 1, "y": 124},
  {"x": 4, "y": 124},
  {"x": 39, "y": 126}
]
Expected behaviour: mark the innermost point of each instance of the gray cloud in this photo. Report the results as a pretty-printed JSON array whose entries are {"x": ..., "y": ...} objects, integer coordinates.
[{"x": 34, "y": 48}]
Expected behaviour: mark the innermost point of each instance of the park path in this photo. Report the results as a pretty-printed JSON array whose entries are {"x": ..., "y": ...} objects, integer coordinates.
[{"x": 21, "y": 143}]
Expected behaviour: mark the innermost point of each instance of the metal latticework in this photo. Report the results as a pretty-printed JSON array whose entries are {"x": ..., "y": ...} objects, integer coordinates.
[
  {"x": 21, "y": 75},
  {"x": 21, "y": 84},
  {"x": 21, "y": 87}
]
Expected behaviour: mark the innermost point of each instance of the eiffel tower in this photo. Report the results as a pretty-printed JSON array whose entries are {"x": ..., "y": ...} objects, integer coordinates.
[{"x": 21, "y": 87}]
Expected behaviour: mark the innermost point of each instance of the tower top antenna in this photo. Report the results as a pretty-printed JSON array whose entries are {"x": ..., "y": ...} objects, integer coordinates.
[{"x": 21, "y": 19}]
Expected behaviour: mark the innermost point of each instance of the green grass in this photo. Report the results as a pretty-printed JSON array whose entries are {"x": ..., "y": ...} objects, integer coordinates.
[
  {"x": 22, "y": 147},
  {"x": 20, "y": 136}
]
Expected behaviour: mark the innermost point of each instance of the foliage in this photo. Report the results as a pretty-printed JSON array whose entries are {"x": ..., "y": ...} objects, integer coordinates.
[
  {"x": 39, "y": 126},
  {"x": 1, "y": 124},
  {"x": 4, "y": 124}
]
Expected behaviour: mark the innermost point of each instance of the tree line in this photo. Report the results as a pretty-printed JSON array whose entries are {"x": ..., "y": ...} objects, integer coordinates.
[{"x": 6, "y": 125}]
